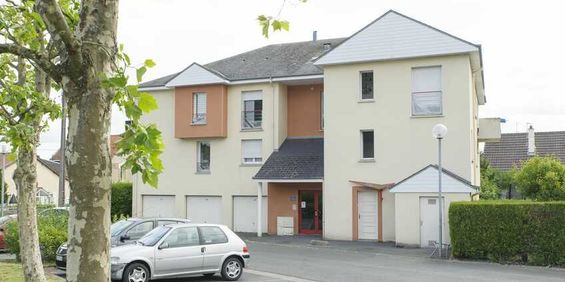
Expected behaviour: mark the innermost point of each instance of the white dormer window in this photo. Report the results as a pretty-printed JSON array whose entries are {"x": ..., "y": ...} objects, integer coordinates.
[
  {"x": 199, "y": 108},
  {"x": 426, "y": 91}
]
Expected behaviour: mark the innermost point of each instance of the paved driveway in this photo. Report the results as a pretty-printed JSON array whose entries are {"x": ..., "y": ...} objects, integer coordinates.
[{"x": 365, "y": 261}]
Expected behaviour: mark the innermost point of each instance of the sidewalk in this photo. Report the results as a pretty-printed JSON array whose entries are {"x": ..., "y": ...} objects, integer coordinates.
[{"x": 313, "y": 241}]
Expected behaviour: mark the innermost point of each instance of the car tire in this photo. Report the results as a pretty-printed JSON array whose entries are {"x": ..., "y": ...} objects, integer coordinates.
[
  {"x": 232, "y": 269},
  {"x": 138, "y": 272}
]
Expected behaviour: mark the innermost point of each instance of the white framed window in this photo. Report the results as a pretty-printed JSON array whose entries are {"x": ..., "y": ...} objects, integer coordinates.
[
  {"x": 367, "y": 144},
  {"x": 426, "y": 91},
  {"x": 199, "y": 108},
  {"x": 367, "y": 85},
  {"x": 251, "y": 151},
  {"x": 252, "y": 113},
  {"x": 203, "y": 156}
]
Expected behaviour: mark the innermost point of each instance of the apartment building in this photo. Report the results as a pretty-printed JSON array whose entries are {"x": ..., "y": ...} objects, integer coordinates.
[{"x": 333, "y": 136}]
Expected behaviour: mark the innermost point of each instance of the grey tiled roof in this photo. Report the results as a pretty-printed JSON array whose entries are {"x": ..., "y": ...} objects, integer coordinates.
[
  {"x": 277, "y": 60},
  {"x": 513, "y": 148},
  {"x": 296, "y": 159},
  {"x": 55, "y": 167}
]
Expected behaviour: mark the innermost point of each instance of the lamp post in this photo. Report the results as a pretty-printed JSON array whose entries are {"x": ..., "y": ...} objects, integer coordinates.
[
  {"x": 4, "y": 151},
  {"x": 439, "y": 132}
]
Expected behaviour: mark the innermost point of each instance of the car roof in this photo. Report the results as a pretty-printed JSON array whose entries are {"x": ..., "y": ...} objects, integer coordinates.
[
  {"x": 157, "y": 218},
  {"x": 176, "y": 225}
]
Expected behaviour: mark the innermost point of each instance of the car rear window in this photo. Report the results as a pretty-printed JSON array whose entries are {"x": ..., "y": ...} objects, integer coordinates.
[{"x": 212, "y": 235}]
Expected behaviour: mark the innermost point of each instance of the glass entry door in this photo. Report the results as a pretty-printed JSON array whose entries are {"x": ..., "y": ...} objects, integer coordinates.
[{"x": 310, "y": 215}]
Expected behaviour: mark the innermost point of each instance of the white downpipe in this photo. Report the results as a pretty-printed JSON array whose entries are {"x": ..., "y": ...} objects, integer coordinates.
[{"x": 259, "y": 209}]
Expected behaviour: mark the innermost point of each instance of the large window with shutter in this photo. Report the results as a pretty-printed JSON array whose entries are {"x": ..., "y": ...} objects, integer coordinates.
[
  {"x": 252, "y": 114},
  {"x": 251, "y": 151},
  {"x": 199, "y": 108},
  {"x": 426, "y": 91}
]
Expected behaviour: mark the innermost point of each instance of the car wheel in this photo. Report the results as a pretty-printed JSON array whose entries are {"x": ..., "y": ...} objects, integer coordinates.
[
  {"x": 136, "y": 272},
  {"x": 232, "y": 269}
]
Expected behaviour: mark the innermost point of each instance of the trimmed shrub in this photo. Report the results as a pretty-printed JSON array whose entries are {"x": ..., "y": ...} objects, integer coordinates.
[
  {"x": 121, "y": 199},
  {"x": 509, "y": 231},
  {"x": 52, "y": 233}
]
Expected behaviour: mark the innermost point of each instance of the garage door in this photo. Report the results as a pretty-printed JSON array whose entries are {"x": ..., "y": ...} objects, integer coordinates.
[
  {"x": 204, "y": 209},
  {"x": 367, "y": 207},
  {"x": 158, "y": 206},
  {"x": 245, "y": 214}
]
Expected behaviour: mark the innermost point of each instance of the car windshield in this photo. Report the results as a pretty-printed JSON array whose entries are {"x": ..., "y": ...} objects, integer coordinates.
[
  {"x": 151, "y": 238},
  {"x": 118, "y": 226}
]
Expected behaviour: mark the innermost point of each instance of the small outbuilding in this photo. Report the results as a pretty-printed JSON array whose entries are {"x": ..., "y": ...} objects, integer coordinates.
[{"x": 416, "y": 205}]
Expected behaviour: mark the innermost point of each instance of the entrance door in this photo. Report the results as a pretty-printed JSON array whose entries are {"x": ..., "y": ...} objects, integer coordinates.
[
  {"x": 310, "y": 215},
  {"x": 368, "y": 218},
  {"x": 429, "y": 221}
]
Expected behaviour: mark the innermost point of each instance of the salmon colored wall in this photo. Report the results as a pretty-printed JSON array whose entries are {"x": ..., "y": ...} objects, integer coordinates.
[
  {"x": 216, "y": 112},
  {"x": 281, "y": 205},
  {"x": 303, "y": 118}
]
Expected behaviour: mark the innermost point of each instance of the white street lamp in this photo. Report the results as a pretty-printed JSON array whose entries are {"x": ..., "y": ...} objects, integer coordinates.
[
  {"x": 439, "y": 132},
  {"x": 3, "y": 151}
]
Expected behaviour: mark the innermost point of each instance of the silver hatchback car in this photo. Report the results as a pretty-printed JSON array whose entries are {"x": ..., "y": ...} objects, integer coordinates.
[{"x": 181, "y": 250}]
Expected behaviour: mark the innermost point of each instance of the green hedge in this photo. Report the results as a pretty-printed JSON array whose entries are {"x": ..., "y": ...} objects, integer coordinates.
[
  {"x": 509, "y": 231},
  {"x": 52, "y": 233},
  {"x": 121, "y": 199}
]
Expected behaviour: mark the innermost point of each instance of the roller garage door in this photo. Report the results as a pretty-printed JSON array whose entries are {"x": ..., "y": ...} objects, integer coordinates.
[
  {"x": 204, "y": 209},
  {"x": 245, "y": 214},
  {"x": 158, "y": 206}
]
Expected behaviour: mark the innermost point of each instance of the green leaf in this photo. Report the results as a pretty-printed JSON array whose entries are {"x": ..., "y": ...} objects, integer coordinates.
[
  {"x": 147, "y": 102},
  {"x": 284, "y": 25},
  {"x": 140, "y": 72},
  {"x": 149, "y": 63}
]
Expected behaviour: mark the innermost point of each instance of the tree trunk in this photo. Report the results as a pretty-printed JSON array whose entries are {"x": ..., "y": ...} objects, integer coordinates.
[
  {"x": 89, "y": 168},
  {"x": 25, "y": 177},
  {"x": 88, "y": 152}
]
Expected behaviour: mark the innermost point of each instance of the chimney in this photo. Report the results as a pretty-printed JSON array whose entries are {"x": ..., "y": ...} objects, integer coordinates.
[
  {"x": 531, "y": 141},
  {"x": 314, "y": 36}
]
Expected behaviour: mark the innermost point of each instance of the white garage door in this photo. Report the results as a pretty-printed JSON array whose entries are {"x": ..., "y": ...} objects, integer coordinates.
[
  {"x": 368, "y": 221},
  {"x": 158, "y": 206},
  {"x": 204, "y": 209},
  {"x": 245, "y": 214}
]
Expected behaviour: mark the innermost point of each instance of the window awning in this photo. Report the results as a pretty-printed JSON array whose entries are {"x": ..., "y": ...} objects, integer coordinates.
[{"x": 375, "y": 186}]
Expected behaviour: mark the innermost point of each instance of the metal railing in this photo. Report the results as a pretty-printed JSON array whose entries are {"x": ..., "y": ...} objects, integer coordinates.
[
  {"x": 199, "y": 118},
  {"x": 251, "y": 119},
  {"x": 203, "y": 166}
]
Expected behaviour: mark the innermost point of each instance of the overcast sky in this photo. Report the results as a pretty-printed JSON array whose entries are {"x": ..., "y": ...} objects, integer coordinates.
[{"x": 523, "y": 43}]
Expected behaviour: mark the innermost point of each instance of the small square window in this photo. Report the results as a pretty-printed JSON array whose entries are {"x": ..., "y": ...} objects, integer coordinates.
[
  {"x": 368, "y": 144},
  {"x": 251, "y": 151},
  {"x": 367, "y": 85}
]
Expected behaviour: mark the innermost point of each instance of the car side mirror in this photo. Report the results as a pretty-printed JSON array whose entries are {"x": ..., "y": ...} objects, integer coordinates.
[
  {"x": 124, "y": 237},
  {"x": 164, "y": 246}
]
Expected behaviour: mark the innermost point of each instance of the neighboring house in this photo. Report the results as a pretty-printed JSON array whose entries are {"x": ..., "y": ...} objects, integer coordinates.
[
  {"x": 515, "y": 148},
  {"x": 321, "y": 131},
  {"x": 119, "y": 172},
  {"x": 47, "y": 181}
]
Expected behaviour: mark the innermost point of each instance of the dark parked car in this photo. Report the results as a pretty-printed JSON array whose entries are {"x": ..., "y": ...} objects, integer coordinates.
[{"x": 124, "y": 232}]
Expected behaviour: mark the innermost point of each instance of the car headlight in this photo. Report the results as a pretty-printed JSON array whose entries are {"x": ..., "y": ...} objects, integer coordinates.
[{"x": 114, "y": 260}]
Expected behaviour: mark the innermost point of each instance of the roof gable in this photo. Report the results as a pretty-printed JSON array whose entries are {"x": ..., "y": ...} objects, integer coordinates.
[
  {"x": 426, "y": 181},
  {"x": 195, "y": 74},
  {"x": 395, "y": 36}
]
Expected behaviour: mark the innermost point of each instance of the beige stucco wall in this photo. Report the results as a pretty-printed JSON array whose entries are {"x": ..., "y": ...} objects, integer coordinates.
[
  {"x": 408, "y": 215},
  {"x": 403, "y": 144},
  {"x": 45, "y": 179},
  {"x": 227, "y": 176}
]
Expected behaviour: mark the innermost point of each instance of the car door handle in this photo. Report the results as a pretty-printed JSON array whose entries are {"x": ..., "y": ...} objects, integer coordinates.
[{"x": 203, "y": 249}]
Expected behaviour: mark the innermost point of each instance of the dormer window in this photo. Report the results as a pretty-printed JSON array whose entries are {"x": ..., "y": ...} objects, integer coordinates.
[{"x": 199, "y": 108}]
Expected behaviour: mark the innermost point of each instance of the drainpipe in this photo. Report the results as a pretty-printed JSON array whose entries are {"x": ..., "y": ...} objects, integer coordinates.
[
  {"x": 275, "y": 134},
  {"x": 259, "y": 209}
]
